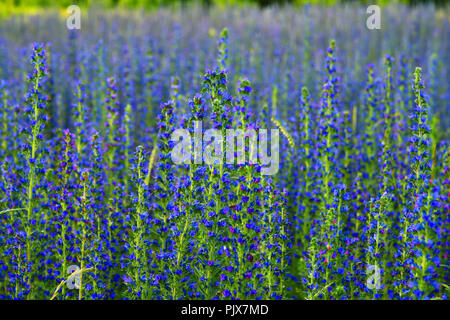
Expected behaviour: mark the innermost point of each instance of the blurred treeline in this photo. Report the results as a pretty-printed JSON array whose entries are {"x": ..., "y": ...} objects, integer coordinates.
[{"x": 156, "y": 3}]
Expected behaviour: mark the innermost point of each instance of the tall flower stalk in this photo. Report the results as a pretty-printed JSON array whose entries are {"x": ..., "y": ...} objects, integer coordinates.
[{"x": 35, "y": 110}]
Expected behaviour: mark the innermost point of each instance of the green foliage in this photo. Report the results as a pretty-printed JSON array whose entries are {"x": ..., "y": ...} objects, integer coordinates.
[{"x": 158, "y": 3}]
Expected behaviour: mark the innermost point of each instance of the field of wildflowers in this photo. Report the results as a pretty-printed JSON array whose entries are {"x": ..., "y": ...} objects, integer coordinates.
[{"x": 92, "y": 205}]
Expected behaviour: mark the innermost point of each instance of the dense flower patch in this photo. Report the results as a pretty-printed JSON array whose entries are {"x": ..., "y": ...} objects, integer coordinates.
[{"x": 357, "y": 210}]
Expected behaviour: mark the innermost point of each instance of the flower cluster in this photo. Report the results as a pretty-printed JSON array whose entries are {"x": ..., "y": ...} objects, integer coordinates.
[{"x": 88, "y": 188}]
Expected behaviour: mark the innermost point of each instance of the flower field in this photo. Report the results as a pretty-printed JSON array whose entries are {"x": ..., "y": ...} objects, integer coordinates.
[{"x": 92, "y": 205}]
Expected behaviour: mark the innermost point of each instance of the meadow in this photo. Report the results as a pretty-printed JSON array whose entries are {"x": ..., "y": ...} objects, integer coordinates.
[{"x": 92, "y": 205}]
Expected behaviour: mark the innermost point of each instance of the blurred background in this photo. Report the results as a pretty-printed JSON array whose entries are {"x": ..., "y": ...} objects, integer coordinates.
[{"x": 29, "y": 4}]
